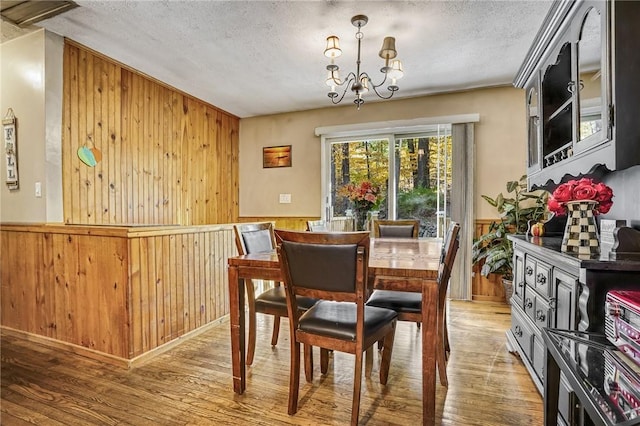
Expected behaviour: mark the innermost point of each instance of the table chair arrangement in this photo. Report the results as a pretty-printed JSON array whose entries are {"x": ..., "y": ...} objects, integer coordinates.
[
  {"x": 408, "y": 303},
  {"x": 331, "y": 267},
  {"x": 256, "y": 238},
  {"x": 401, "y": 228}
]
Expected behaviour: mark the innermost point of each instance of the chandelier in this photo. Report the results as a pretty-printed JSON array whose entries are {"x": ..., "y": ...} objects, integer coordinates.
[{"x": 360, "y": 82}]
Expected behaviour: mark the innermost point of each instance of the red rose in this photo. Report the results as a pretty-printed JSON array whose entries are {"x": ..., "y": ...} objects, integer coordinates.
[
  {"x": 604, "y": 192},
  {"x": 584, "y": 191},
  {"x": 556, "y": 207},
  {"x": 604, "y": 207},
  {"x": 564, "y": 192}
]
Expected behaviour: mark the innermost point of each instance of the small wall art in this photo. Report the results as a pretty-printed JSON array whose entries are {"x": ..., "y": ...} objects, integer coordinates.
[
  {"x": 11, "y": 149},
  {"x": 276, "y": 156}
]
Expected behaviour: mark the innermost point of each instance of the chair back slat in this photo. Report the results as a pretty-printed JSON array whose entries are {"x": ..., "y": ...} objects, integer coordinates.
[
  {"x": 317, "y": 226},
  {"x": 450, "y": 248},
  {"x": 322, "y": 267},
  {"x": 402, "y": 228},
  {"x": 328, "y": 266},
  {"x": 254, "y": 237}
]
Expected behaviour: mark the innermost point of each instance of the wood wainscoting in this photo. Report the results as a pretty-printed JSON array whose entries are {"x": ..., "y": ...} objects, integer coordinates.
[
  {"x": 486, "y": 288},
  {"x": 113, "y": 292},
  {"x": 290, "y": 223}
]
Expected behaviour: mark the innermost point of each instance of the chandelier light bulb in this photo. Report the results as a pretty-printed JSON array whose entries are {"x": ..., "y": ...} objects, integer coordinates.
[
  {"x": 396, "y": 72},
  {"x": 365, "y": 85}
]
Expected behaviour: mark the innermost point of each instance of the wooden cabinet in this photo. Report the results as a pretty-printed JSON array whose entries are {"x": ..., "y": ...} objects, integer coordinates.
[
  {"x": 559, "y": 290},
  {"x": 579, "y": 82}
]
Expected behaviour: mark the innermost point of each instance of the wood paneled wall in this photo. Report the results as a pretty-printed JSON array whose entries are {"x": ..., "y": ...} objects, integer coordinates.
[
  {"x": 486, "y": 288},
  {"x": 118, "y": 291},
  {"x": 167, "y": 158},
  {"x": 178, "y": 284}
]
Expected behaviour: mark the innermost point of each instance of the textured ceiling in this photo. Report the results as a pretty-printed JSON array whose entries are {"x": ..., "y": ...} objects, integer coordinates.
[{"x": 256, "y": 57}]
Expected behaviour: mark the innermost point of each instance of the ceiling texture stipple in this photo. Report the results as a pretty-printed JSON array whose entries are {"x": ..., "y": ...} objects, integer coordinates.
[{"x": 255, "y": 58}]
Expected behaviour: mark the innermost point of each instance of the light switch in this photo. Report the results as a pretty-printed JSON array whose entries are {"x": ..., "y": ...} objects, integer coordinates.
[
  {"x": 38, "y": 189},
  {"x": 285, "y": 198}
]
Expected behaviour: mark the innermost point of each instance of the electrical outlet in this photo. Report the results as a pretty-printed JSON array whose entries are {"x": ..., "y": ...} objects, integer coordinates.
[
  {"x": 285, "y": 198},
  {"x": 38, "y": 189}
]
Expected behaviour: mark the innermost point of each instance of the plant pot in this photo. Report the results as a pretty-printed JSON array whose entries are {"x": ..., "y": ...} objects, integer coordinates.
[{"x": 508, "y": 289}]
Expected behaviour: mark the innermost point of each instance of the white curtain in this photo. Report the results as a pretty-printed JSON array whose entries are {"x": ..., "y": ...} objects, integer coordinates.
[{"x": 462, "y": 141}]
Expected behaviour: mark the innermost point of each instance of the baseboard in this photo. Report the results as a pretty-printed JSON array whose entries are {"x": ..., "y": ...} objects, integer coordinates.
[{"x": 105, "y": 357}]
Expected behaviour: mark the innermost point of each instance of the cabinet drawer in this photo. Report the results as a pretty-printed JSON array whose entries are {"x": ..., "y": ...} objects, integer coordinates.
[
  {"x": 538, "y": 275},
  {"x": 541, "y": 314},
  {"x": 522, "y": 332},
  {"x": 543, "y": 278},
  {"x": 529, "y": 303},
  {"x": 530, "y": 270}
]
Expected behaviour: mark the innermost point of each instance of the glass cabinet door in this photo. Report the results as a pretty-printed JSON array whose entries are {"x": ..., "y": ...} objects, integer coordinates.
[
  {"x": 590, "y": 87},
  {"x": 557, "y": 108},
  {"x": 533, "y": 127}
]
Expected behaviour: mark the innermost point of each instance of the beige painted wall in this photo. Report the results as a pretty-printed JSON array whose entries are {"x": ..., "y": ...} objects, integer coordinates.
[
  {"x": 500, "y": 146},
  {"x": 31, "y": 84}
]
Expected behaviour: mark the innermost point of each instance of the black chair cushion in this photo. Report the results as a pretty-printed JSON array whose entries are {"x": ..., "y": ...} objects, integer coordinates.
[
  {"x": 399, "y": 301},
  {"x": 338, "y": 319},
  {"x": 257, "y": 241},
  {"x": 396, "y": 231},
  {"x": 276, "y": 298}
]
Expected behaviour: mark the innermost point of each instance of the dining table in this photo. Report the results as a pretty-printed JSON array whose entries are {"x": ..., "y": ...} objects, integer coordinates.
[{"x": 397, "y": 263}]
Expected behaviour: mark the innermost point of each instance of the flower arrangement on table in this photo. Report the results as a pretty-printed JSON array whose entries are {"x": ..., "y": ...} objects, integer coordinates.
[
  {"x": 365, "y": 196},
  {"x": 584, "y": 189}
]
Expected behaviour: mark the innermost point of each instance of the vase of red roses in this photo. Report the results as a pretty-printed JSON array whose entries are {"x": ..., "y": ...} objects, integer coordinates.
[
  {"x": 364, "y": 196},
  {"x": 581, "y": 200}
]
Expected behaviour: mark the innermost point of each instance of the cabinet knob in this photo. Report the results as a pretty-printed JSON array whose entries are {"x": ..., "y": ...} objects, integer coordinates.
[
  {"x": 517, "y": 331},
  {"x": 553, "y": 303},
  {"x": 541, "y": 278},
  {"x": 540, "y": 315},
  {"x": 528, "y": 303},
  {"x": 528, "y": 270},
  {"x": 520, "y": 284}
]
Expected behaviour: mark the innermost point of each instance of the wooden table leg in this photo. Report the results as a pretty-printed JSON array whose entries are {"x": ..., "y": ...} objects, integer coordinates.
[
  {"x": 236, "y": 314},
  {"x": 429, "y": 335}
]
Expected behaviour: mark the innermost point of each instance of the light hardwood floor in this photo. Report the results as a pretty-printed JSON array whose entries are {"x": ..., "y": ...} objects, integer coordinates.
[{"x": 191, "y": 384}]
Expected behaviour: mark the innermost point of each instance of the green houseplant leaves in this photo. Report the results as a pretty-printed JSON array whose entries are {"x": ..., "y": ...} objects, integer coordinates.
[{"x": 493, "y": 250}]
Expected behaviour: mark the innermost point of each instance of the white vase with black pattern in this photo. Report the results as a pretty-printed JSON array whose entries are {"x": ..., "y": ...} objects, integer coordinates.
[{"x": 581, "y": 230}]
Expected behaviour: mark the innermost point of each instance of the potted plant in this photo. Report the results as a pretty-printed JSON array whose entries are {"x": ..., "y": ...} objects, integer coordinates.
[{"x": 493, "y": 250}]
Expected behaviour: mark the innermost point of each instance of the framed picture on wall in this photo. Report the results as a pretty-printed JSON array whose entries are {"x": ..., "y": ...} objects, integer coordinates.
[{"x": 276, "y": 156}]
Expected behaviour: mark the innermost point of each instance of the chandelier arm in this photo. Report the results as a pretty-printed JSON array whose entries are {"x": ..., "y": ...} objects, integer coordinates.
[
  {"x": 349, "y": 79},
  {"x": 364, "y": 74},
  {"x": 375, "y": 86},
  {"x": 375, "y": 89}
]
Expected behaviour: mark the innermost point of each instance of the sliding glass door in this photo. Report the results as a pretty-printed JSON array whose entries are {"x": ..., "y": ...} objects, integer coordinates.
[
  {"x": 423, "y": 180},
  {"x": 414, "y": 176}
]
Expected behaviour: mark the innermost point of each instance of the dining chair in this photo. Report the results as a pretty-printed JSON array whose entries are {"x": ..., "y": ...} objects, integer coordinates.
[
  {"x": 332, "y": 267},
  {"x": 401, "y": 228},
  {"x": 256, "y": 238},
  {"x": 317, "y": 226},
  {"x": 408, "y": 304}
]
